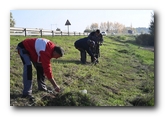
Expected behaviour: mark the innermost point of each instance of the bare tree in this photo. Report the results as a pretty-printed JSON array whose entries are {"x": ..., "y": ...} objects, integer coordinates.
[
  {"x": 94, "y": 26},
  {"x": 118, "y": 28},
  {"x": 101, "y": 26},
  {"x": 109, "y": 27}
]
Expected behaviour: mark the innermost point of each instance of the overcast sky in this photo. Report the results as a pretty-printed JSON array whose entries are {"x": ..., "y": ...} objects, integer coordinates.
[{"x": 79, "y": 19}]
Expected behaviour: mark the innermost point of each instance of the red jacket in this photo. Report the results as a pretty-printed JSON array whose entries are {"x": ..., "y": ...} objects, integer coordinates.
[{"x": 40, "y": 50}]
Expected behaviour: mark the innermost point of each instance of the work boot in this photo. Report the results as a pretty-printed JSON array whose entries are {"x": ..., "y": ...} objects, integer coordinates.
[
  {"x": 82, "y": 62},
  {"x": 30, "y": 97}
]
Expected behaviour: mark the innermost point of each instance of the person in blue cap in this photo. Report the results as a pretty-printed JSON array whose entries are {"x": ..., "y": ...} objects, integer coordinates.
[{"x": 84, "y": 45}]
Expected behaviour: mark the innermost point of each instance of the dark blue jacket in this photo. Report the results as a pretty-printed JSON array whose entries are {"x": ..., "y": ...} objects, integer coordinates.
[
  {"x": 97, "y": 39},
  {"x": 82, "y": 44}
]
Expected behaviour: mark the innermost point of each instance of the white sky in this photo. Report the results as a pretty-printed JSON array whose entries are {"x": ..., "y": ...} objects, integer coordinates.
[
  {"x": 79, "y": 19},
  {"x": 7, "y": 5}
]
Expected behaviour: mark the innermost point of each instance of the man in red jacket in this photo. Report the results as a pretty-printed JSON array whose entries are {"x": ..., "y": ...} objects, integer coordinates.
[{"x": 38, "y": 51}]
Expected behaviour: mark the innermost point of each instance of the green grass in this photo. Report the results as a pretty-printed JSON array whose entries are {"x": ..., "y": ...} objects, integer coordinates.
[{"x": 123, "y": 77}]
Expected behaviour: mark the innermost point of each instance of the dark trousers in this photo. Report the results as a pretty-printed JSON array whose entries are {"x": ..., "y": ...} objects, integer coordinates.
[
  {"x": 27, "y": 72},
  {"x": 83, "y": 56},
  {"x": 97, "y": 51},
  {"x": 40, "y": 76}
]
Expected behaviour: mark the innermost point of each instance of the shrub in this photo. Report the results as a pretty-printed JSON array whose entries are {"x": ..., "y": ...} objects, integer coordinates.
[{"x": 145, "y": 40}]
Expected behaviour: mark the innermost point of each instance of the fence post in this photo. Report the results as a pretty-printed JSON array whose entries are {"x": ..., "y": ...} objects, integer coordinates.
[
  {"x": 61, "y": 33},
  {"x": 41, "y": 32},
  {"x": 74, "y": 34},
  {"x": 25, "y": 31},
  {"x": 52, "y": 33}
]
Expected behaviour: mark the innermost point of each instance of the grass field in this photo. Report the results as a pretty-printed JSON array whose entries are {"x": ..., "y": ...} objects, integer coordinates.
[{"x": 123, "y": 77}]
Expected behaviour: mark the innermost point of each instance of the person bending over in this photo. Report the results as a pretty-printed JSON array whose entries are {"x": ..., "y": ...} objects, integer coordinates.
[{"x": 39, "y": 52}]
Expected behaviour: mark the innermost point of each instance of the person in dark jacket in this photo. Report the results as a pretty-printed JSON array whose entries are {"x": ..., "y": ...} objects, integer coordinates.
[
  {"x": 85, "y": 46},
  {"x": 97, "y": 37}
]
